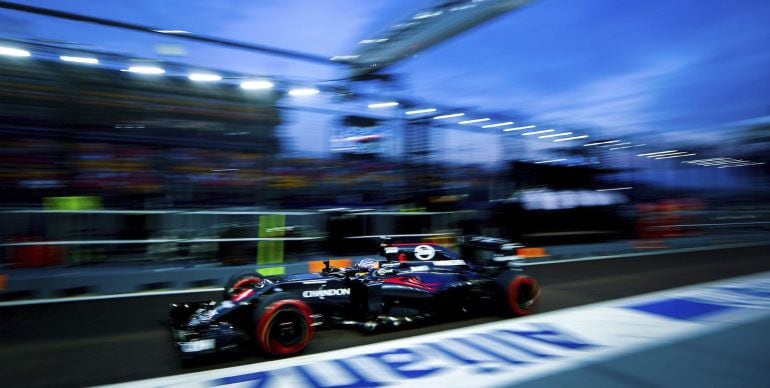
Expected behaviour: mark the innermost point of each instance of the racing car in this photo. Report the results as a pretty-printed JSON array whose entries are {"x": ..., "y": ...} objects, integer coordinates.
[{"x": 410, "y": 284}]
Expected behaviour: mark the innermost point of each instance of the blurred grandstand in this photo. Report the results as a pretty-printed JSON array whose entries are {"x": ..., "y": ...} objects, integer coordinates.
[{"x": 83, "y": 138}]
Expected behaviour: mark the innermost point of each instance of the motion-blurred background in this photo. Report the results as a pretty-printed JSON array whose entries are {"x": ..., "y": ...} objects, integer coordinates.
[{"x": 176, "y": 130}]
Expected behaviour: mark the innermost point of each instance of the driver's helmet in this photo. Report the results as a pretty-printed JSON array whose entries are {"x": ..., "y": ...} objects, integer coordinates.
[{"x": 367, "y": 265}]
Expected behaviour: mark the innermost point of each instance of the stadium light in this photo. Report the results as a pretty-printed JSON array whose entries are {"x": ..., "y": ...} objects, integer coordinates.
[
  {"x": 601, "y": 143},
  {"x": 343, "y": 57},
  {"x": 14, "y": 52},
  {"x": 616, "y": 188},
  {"x": 449, "y": 116},
  {"x": 497, "y": 125},
  {"x": 670, "y": 156},
  {"x": 537, "y": 132},
  {"x": 550, "y": 161},
  {"x": 370, "y": 41},
  {"x": 383, "y": 104},
  {"x": 173, "y": 32},
  {"x": 658, "y": 153},
  {"x": 616, "y": 144},
  {"x": 419, "y": 111},
  {"x": 145, "y": 70},
  {"x": 474, "y": 121},
  {"x": 628, "y": 146},
  {"x": 519, "y": 128},
  {"x": 742, "y": 165},
  {"x": 83, "y": 60},
  {"x": 555, "y": 135},
  {"x": 256, "y": 84},
  {"x": 303, "y": 92},
  {"x": 572, "y": 138},
  {"x": 204, "y": 77}
]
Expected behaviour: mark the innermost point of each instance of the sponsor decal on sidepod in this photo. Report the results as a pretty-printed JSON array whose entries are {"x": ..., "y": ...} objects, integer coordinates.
[{"x": 329, "y": 292}]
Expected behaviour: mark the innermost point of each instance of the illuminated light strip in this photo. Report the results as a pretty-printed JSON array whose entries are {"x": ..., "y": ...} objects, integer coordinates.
[
  {"x": 256, "y": 85},
  {"x": 474, "y": 121},
  {"x": 673, "y": 156},
  {"x": 303, "y": 92},
  {"x": 742, "y": 165},
  {"x": 14, "y": 52},
  {"x": 709, "y": 162},
  {"x": 520, "y": 350},
  {"x": 572, "y": 138},
  {"x": 383, "y": 104},
  {"x": 84, "y": 60},
  {"x": 204, "y": 77},
  {"x": 343, "y": 57},
  {"x": 670, "y": 154},
  {"x": 370, "y": 41},
  {"x": 616, "y": 188},
  {"x": 615, "y": 145},
  {"x": 601, "y": 142},
  {"x": 631, "y": 146},
  {"x": 555, "y": 135},
  {"x": 449, "y": 116},
  {"x": 418, "y": 111},
  {"x": 173, "y": 32},
  {"x": 519, "y": 128},
  {"x": 145, "y": 70},
  {"x": 550, "y": 161},
  {"x": 656, "y": 153},
  {"x": 537, "y": 132},
  {"x": 723, "y": 162},
  {"x": 497, "y": 125}
]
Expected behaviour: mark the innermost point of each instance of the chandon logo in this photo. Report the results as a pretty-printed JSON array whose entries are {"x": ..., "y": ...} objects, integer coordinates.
[{"x": 329, "y": 292}]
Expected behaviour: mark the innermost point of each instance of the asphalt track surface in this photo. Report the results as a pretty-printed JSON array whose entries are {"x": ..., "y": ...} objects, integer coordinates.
[{"x": 117, "y": 340}]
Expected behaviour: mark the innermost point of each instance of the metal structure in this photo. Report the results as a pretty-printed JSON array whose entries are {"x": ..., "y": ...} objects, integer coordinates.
[{"x": 422, "y": 30}]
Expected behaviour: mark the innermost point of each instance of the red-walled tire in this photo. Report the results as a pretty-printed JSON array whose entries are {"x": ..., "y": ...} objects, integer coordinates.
[
  {"x": 283, "y": 325},
  {"x": 241, "y": 282},
  {"x": 519, "y": 294}
]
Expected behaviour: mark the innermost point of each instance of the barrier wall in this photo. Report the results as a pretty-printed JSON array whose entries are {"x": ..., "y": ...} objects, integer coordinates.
[{"x": 35, "y": 238}]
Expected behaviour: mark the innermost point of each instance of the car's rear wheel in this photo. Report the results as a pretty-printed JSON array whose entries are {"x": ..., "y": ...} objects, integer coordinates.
[
  {"x": 283, "y": 325},
  {"x": 519, "y": 294},
  {"x": 241, "y": 282}
]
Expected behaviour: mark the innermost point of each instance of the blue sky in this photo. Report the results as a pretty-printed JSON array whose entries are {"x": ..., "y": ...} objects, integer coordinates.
[
  {"x": 622, "y": 66},
  {"x": 663, "y": 69}
]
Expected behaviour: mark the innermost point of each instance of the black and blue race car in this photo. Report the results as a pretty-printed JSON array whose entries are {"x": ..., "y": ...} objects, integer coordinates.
[{"x": 412, "y": 283}]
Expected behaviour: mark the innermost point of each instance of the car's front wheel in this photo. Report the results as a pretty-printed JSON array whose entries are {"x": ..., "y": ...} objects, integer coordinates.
[
  {"x": 283, "y": 325},
  {"x": 519, "y": 294}
]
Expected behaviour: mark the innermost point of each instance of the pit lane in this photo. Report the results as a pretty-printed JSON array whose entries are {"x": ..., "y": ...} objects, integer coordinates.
[{"x": 118, "y": 340}]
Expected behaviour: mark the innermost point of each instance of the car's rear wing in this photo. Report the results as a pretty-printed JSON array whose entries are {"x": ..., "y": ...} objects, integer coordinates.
[{"x": 482, "y": 250}]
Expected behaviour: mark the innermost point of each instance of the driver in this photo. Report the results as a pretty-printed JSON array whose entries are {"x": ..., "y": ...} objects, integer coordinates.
[{"x": 366, "y": 265}]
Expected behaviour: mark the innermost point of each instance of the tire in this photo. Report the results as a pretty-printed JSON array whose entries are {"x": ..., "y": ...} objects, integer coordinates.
[
  {"x": 240, "y": 282},
  {"x": 283, "y": 325},
  {"x": 519, "y": 294}
]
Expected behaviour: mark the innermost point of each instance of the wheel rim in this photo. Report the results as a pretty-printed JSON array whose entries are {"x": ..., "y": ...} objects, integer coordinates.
[
  {"x": 285, "y": 328},
  {"x": 288, "y": 329}
]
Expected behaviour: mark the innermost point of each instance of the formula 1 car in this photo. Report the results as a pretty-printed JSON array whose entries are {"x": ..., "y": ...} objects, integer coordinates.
[{"x": 416, "y": 282}]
